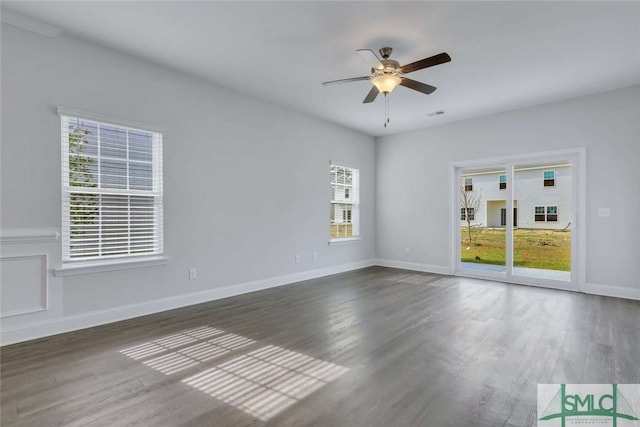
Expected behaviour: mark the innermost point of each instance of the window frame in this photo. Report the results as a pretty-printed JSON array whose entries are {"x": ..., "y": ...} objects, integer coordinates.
[
  {"x": 545, "y": 215},
  {"x": 348, "y": 202},
  {"x": 467, "y": 212},
  {"x": 548, "y": 182},
  {"x": 104, "y": 261}
]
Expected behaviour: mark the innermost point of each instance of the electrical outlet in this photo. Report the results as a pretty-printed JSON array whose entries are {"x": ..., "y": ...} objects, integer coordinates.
[
  {"x": 406, "y": 251},
  {"x": 297, "y": 259},
  {"x": 315, "y": 256},
  {"x": 604, "y": 212},
  {"x": 193, "y": 274}
]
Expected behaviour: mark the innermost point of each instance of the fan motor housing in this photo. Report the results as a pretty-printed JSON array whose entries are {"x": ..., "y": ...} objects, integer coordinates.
[{"x": 389, "y": 66}]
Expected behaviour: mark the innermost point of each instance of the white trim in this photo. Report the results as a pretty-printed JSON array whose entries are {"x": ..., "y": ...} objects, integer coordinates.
[
  {"x": 344, "y": 240},
  {"x": 538, "y": 282},
  {"x": 44, "y": 285},
  {"x": 96, "y": 318},
  {"x": 426, "y": 268},
  {"x": 611, "y": 291},
  {"x": 74, "y": 269},
  {"x": 29, "y": 24},
  {"x": 29, "y": 235},
  {"x": 110, "y": 120}
]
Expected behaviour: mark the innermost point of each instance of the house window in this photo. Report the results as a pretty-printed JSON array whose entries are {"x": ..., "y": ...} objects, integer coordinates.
[
  {"x": 468, "y": 184},
  {"x": 549, "y": 178},
  {"x": 548, "y": 213},
  {"x": 345, "y": 199},
  {"x": 111, "y": 191},
  {"x": 471, "y": 214},
  {"x": 503, "y": 182}
]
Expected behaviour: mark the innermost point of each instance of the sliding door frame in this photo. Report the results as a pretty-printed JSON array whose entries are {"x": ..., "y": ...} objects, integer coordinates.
[{"x": 577, "y": 157}]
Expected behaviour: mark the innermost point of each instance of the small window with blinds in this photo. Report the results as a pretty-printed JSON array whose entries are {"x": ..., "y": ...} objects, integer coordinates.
[
  {"x": 111, "y": 191},
  {"x": 345, "y": 200}
]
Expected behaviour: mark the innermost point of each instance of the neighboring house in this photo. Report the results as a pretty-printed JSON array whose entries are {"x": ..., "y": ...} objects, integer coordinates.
[
  {"x": 542, "y": 197},
  {"x": 341, "y": 203}
]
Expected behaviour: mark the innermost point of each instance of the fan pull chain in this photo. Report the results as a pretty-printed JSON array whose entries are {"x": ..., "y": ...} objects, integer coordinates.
[{"x": 386, "y": 108}]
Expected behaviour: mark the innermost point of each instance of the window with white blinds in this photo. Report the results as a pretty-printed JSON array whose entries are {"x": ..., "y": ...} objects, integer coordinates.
[
  {"x": 345, "y": 202},
  {"x": 111, "y": 191}
]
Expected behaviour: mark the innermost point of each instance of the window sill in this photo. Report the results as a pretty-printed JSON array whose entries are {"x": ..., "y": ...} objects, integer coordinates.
[
  {"x": 74, "y": 269},
  {"x": 344, "y": 240}
]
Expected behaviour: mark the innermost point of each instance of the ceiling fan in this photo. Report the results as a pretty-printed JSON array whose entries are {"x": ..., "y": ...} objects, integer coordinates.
[{"x": 387, "y": 74}]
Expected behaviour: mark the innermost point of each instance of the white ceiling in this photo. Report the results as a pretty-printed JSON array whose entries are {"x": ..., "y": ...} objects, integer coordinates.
[{"x": 505, "y": 55}]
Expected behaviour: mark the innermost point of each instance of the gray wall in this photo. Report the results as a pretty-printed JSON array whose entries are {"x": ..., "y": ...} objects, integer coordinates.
[
  {"x": 227, "y": 158},
  {"x": 412, "y": 172}
]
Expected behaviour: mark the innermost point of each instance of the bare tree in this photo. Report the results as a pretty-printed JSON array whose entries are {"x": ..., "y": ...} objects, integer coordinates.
[
  {"x": 470, "y": 203},
  {"x": 83, "y": 209}
]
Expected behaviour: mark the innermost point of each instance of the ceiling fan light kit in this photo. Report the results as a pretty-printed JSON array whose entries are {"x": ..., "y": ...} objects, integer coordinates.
[
  {"x": 386, "y": 74},
  {"x": 386, "y": 83}
]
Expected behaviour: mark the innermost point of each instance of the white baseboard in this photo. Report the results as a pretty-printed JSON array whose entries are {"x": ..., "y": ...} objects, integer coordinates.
[
  {"x": 611, "y": 291},
  {"x": 87, "y": 320},
  {"x": 426, "y": 268}
]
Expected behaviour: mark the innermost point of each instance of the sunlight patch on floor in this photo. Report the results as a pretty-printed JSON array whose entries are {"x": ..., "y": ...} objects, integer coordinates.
[
  {"x": 262, "y": 383},
  {"x": 266, "y": 381},
  {"x": 169, "y": 342},
  {"x": 177, "y": 358}
]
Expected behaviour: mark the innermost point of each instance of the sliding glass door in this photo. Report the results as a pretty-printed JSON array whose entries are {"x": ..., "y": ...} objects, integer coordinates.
[{"x": 515, "y": 219}]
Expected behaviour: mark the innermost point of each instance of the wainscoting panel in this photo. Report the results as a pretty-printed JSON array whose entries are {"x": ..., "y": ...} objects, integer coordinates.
[{"x": 24, "y": 284}]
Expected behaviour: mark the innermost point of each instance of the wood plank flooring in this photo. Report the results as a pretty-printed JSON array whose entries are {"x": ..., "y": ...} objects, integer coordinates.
[{"x": 373, "y": 347}]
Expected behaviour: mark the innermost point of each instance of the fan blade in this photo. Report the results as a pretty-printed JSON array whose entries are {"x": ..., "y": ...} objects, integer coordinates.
[
  {"x": 353, "y": 79},
  {"x": 371, "y": 96},
  {"x": 440, "y": 58},
  {"x": 370, "y": 58},
  {"x": 415, "y": 85}
]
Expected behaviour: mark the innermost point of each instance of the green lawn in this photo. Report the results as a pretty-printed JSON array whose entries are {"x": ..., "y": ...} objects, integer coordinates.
[
  {"x": 545, "y": 249},
  {"x": 341, "y": 230}
]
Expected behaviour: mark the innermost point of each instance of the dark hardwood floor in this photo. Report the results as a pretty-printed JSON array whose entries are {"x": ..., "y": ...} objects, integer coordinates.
[{"x": 374, "y": 347}]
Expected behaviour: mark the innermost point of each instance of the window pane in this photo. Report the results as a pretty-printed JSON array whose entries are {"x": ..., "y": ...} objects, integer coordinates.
[
  {"x": 113, "y": 142},
  {"x": 140, "y": 145},
  {"x": 113, "y": 174},
  {"x": 344, "y": 201},
  {"x": 83, "y": 171},
  {"x": 140, "y": 176}
]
